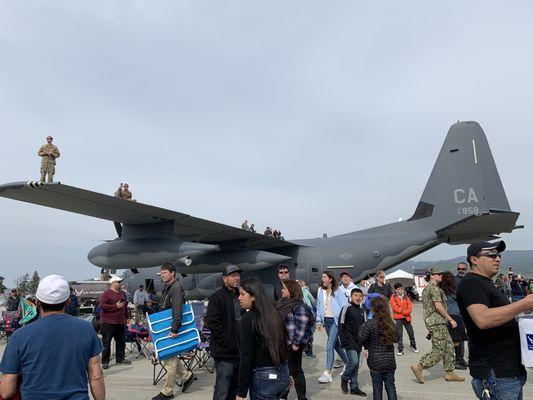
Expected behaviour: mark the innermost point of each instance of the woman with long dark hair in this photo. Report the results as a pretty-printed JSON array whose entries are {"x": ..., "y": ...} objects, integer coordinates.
[
  {"x": 448, "y": 284},
  {"x": 264, "y": 352},
  {"x": 378, "y": 335},
  {"x": 297, "y": 316},
  {"x": 330, "y": 301}
]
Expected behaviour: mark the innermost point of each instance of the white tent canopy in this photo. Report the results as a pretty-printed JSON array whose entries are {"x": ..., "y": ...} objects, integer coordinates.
[{"x": 405, "y": 278}]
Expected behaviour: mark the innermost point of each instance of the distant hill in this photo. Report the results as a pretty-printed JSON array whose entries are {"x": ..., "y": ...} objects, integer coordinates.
[{"x": 520, "y": 260}]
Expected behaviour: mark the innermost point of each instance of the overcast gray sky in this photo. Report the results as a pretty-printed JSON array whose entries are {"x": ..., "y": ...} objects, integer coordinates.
[{"x": 309, "y": 116}]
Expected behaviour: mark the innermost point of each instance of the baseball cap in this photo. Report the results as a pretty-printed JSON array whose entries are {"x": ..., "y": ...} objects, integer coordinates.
[
  {"x": 230, "y": 269},
  {"x": 53, "y": 289},
  {"x": 433, "y": 271},
  {"x": 475, "y": 248},
  {"x": 344, "y": 273},
  {"x": 116, "y": 279}
]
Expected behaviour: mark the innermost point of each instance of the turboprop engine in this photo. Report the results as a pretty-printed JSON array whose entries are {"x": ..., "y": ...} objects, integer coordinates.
[{"x": 142, "y": 253}]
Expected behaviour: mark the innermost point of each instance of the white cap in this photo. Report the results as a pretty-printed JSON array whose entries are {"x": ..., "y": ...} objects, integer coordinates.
[
  {"x": 116, "y": 279},
  {"x": 53, "y": 289}
]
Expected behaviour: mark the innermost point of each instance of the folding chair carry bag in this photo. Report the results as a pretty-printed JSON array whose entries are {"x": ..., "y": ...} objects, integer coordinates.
[
  {"x": 188, "y": 336},
  {"x": 525, "y": 323}
]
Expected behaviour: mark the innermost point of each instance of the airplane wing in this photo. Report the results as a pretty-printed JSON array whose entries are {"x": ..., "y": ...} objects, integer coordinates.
[{"x": 98, "y": 205}]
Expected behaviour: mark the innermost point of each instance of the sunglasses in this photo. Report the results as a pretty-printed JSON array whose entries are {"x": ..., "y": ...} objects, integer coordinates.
[
  {"x": 494, "y": 256},
  {"x": 283, "y": 272},
  {"x": 461, "y": 269}
]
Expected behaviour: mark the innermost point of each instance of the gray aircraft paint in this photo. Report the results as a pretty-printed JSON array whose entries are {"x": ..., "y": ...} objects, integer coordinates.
[{"x": 463, "y": 201}]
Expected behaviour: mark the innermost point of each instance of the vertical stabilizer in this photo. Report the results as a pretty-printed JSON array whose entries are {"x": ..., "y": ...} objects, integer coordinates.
[{"x": 464, "y": 181}]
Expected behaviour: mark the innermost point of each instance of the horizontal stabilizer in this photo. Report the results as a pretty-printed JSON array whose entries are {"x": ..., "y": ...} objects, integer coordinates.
[{"x": 479, "y": 227}]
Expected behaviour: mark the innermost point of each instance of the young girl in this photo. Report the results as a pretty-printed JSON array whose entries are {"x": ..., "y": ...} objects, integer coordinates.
[
  {"x": 378, "y": 335},
  {"x": 330, "y": 300},
  {"x": 264, "y": 352},
  {"x": 297, "y": 317}
]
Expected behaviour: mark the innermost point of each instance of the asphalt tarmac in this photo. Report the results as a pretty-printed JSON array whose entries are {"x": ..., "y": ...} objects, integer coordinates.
[{"x": 134, "y": 382}]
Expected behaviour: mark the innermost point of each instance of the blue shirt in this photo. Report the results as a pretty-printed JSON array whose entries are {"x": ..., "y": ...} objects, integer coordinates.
[{"x": 52, "y": 355}]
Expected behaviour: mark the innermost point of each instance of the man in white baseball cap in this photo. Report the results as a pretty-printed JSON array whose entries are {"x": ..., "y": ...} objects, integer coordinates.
[
  {"x": 114, "y": 315},
  {"x": 33, "y": 351}
]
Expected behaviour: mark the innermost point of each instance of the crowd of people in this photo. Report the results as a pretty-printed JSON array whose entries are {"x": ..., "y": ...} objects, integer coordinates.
[
  {"x": 258, "y": 343},
  {"x": 275, "y": 233}
]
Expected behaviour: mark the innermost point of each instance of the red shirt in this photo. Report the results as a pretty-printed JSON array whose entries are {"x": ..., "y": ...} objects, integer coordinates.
[{"x": 110, "y": 313}]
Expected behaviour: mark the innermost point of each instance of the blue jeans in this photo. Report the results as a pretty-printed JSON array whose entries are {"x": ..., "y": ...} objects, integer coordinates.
[
  {"x": 501, "y": 388},
  {"x": 333, "y": 343},
  {"x": 378, "y": 380},
  {"x": 269, "y": 383},
  {"x": 227, "y": 373},
  {"x": 352, "y": 368}
]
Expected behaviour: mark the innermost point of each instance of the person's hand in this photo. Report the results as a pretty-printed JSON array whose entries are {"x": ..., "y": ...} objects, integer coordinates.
[
  {"x": 453, "y": 323},
  {"x": 365, "y": 354},
  {"x": 295, "y": 347},
  {"x": 173, "y": 335},
  {"x": 120, "y": 304},
  {"x": 291, "y": 382},
  {"x": 528, "y": 302},
  {"x": 318, "y": 326}
]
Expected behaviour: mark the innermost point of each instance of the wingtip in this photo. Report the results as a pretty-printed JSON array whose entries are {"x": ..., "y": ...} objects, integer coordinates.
[{"x": 22, "y": 184}]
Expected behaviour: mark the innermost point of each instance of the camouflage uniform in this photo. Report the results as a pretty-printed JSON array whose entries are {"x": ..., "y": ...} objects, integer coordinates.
[
  {"x": 122, "y": 193},
  {"x": 441, "y": 341},
  {"x": 49, "y": 153}
]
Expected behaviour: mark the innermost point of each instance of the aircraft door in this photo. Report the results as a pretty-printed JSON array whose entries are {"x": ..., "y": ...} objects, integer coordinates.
[
  {"x": 149, "y": 285},
  {"x": 314, "y": 271}
]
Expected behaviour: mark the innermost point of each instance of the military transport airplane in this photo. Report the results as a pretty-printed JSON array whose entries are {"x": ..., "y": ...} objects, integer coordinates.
[{"x": 463, "y": 201}]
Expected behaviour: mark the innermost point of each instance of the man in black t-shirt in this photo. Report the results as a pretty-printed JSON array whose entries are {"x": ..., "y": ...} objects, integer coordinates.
[{"x": 493, "y": 335}]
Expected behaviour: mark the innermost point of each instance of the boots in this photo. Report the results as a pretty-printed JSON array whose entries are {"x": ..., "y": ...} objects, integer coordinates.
[
  {"x": 418, "y": 370},
  {"x": 451, "y": 377}
]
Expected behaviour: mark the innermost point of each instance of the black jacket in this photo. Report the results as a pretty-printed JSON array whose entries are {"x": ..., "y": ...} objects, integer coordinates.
[
  {"x": 223, "y": 320},
  {"x": 278, "y": 286},
  {"x": 352, "y": 317},
  {"x": 380, "y": 357},
  {"x": 12, "y": 303},
  {"x": 173, "y": 297}
]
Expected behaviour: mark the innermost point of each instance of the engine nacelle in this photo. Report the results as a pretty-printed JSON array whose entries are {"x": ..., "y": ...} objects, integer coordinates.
[{"x": 142, "y": 253}]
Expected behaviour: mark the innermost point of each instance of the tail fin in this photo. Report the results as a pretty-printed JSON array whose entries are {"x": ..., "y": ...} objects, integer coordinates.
[{"x": 463, "y": 185}]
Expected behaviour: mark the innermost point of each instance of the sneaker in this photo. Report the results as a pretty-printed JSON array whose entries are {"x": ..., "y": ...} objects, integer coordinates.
[
  {"x": 460, "y": 366},
  {"x": 162, "y": 396},
  {"x": 105, "y": 366},
  {"x": 187, "y": 384},
  {"x": 400, "y": 353},
  {"x": 125, "y": 362},
  {"x": 325, "y": 377},
  {"x": 344, "y": 386},
  {"x": 413, "y": 348},
  {"x": 358, "y": 392},
  {"x": 338, "y": 364}
]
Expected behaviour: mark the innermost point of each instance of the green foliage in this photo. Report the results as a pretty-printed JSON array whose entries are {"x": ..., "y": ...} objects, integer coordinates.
[
  {"x": 22, "y": 284},
  {"x": 34, "y": 283}
]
